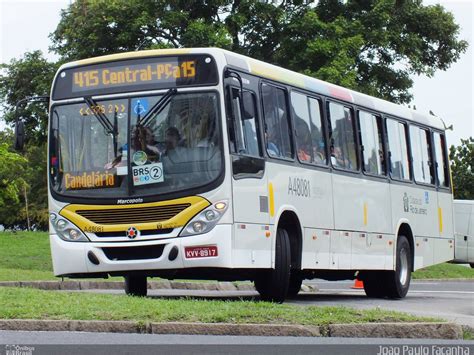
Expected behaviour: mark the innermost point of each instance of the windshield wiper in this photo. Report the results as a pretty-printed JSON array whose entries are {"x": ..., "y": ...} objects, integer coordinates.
[
  {"x": 104, "y": 121},
  {"x": 157, "y": 108}
]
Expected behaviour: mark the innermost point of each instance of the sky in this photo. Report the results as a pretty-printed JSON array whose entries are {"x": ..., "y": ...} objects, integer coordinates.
[{"x": 26, "y": 24}]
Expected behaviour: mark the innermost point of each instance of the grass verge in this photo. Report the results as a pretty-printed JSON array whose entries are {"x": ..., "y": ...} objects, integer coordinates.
[
  {"x": 25, "y": 251},
  {"x": 25, "y": 303},
  {"x": 445, "y": 271},
  {"x": 467, "y": 334}
]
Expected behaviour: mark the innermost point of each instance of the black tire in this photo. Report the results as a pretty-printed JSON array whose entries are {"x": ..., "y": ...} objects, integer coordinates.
[
  {"x": 472, "y": 265},
  {"x": 273, "y": 284},
  {"x": 135, "y": 285},
  {"x": 398, "y": 281},
  {"x": 374, "y": 286},
  {"x": 294, "y": 286}
]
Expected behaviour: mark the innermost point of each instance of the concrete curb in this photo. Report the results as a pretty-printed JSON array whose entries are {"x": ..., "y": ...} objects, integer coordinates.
[
  {"x": 372, "y": 330},
  {"x": 152, "y": 285},
  {"x": 397, "y": 330}
]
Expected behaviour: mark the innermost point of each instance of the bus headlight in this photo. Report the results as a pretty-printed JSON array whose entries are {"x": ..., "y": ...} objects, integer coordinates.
[
  {"x": 66, "y": 230},
  {"x": 205, "y": 220}
]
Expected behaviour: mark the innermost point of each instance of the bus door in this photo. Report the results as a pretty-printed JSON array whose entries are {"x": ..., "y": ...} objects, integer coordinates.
[{"x": 251, "y": 245}]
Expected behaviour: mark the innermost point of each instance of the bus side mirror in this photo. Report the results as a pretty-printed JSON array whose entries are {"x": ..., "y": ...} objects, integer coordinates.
[
  {"x": 19, "y": 135},
  {"x": 248, "y": 105}
]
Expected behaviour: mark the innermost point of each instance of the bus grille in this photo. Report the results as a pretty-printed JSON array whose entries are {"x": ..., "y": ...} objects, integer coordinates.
[
  {"x": 134, "y": 253},
  {"x": 133, "y": 215}
]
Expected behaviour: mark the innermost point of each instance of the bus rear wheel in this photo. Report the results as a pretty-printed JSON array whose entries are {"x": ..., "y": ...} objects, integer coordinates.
[
  {"x": 398, "y": 281},
  {"x": 374, "y": 284},
  {"x": 273, "y": 284},
  {"x": 135, "y": 285}
]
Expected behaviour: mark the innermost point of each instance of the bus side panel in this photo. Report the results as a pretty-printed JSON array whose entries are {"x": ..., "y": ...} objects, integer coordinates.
[
  {"x": 341, "y": 250},
  {"x": 372, "y": 251},
  {"x": 316, "y": 244},
  {"x": 349, "y": 201},
  {"x": 252, "y": 247},
  {"x": 444, "y": 247},
  {"x": 307, "y": 193},
  {"x": 464, "y": 227},
  {"x": 419, "y": 207}
]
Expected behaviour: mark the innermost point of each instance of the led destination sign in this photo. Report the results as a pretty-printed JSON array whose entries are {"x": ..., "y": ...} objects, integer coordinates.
[
  {"x": 132, "y": 75},
  {"x": 135, "y": 75}
]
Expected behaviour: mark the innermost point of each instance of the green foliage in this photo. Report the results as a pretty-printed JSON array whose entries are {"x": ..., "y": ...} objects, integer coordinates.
[
  {"x": 29, "y": 76},
  {"x": 23, "y": 173},
  {"x": 11, "y": 184},
  {"x": 462, "y": 168},
  {"x": 372, "y": 46}
]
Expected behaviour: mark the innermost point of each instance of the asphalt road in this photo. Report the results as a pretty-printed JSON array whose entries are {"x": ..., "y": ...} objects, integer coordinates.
[
  {"x": 107, "y": 343},
  {"x": 449, "y": 300}
]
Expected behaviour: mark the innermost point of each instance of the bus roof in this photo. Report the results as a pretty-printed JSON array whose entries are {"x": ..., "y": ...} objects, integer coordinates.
[{"x": 276, "y": 73}]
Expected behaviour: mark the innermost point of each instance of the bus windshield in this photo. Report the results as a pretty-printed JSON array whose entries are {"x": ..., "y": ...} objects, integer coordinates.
[{"x": 148, "y": 145}]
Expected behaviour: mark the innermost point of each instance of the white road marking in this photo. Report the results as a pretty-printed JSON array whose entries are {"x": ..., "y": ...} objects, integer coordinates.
[{"x": 411, "y": 291}]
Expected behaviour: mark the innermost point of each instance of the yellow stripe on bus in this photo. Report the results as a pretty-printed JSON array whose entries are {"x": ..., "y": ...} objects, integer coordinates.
[
  {"x": 440, "y": 219},
  {"x": 271, "y": 199},
  {"x": 365, "y": 213},
  {"x": 196, "y": 205}
]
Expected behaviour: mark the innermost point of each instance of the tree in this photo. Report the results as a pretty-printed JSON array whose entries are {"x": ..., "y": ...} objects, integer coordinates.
[
  {"x": 11, "y": 185},
  {"x": 368, "y": 45},
  {"x": 23, "y": 185},
  {"x": 462, "y": 169},
  {"x": 31, "y": 75}
]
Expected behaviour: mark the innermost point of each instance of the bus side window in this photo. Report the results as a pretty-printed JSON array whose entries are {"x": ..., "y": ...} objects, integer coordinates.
[
  {"x": 373, "y": 155},
  {"x": 310, "y": 142},
  {"x": 277, "y": 124},
  {"x": 342, "y": 137},
  {"x": 421, "y": 153},
  {"x": 245, "y": 125},
  {"x": 398, "y": 151},
  {"x": 441, "y": 160}
]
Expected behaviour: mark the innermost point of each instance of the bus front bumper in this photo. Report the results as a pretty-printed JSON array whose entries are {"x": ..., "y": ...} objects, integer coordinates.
[{"x": 212, "y": 249}]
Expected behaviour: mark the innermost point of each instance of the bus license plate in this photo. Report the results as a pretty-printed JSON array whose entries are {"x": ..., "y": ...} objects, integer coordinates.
[{"x": 200, "y": 252}]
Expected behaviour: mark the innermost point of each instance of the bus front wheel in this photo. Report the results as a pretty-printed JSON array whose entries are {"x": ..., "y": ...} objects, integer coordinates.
[
  {"x": 135, "y": 285},
  {"x": 294, "y": 287},
  {"x": 273, "y": 284}
]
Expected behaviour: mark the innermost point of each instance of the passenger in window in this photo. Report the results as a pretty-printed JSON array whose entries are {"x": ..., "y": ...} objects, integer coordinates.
[
  {"x": 304, "y": 154},
  {"x": 318, "y": 154},
  {"x": 382, "y": 162},
  {"x": 143, "y": 139},
  {"x": 336, "y": 157},
  {"x": 272, "y": 146},
  {"x": 173, "y": 137}
]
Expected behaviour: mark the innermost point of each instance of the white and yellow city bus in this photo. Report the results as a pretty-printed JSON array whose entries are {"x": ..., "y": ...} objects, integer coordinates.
[{"x": 202, "y": 163}]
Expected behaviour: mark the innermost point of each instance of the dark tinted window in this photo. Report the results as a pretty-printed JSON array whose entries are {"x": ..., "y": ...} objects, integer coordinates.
[
  {"x": 342, "y": 137},
  {"x": 310, "y": 141},
  {"x": 372, "y": 147},
  {"x": 245, "y": 125},
  {"x": 277, "y": 125},
  {"x": 421, "y": 154},
  {"x": 398, "y": 150},
  {"x": 441, "y": 159}
]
